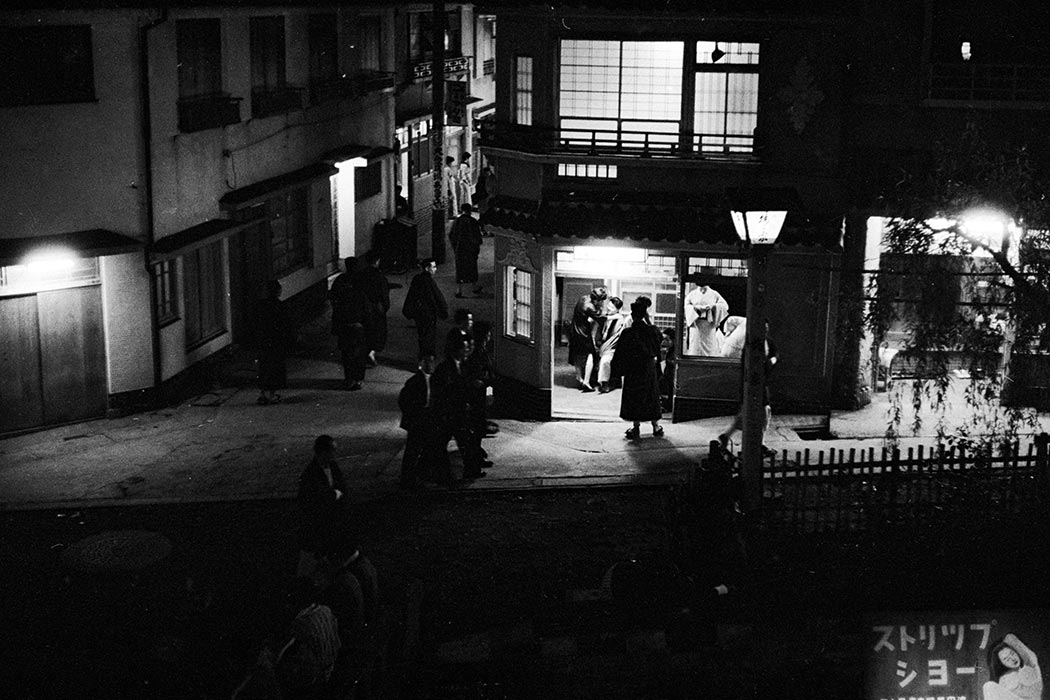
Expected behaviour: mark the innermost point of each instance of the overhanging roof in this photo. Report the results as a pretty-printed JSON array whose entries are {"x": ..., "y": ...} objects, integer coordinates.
[
  {"x": 648, "y": 217},
  {"x": 273, "y": 185},
  {"x": 90, "y": 243},
  {"x": 356, "y": 150},
  {"x": 195, "y": 237}
]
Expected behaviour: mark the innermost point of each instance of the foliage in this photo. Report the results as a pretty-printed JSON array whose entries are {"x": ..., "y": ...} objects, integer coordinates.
[{"x": 958, "y": 304}]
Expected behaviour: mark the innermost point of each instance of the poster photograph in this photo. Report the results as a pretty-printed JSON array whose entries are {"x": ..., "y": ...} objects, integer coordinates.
[{"x": 982, "y": 655}]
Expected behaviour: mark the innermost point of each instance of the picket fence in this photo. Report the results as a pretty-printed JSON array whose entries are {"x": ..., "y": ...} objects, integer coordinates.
[{"x": 844, "y": 490}]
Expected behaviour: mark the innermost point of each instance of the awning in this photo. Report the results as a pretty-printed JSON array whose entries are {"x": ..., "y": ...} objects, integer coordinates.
[
  {"x": 356, "y": 150},
  {"x": 90, "y": 243},
  {"x": 643, "y": 216},
  {"x": 195, "y": 237},
  {"x": 266, "y": 188}
]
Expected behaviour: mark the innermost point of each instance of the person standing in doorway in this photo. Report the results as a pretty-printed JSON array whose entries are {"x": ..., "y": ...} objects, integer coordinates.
[
  {"x": 581, "y": 335},
  {"x": 637, "y": 360},
  {"x": 613, "y": 326},
  {"x": 348, "y": 324},
  {"x": 705, "y": 309},
  {"x": 425, "y": 304},
  {"x": 274, "y": 338},
  {"x": 465, "y": 180},
  {"x": 465, "y": 237}
]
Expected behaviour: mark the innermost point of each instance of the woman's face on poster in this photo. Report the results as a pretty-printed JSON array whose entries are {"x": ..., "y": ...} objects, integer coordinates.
[{"x": 1009, "y": 658}]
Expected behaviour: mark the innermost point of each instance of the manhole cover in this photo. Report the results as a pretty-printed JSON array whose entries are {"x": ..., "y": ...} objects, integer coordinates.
[{"x": 117, "y": 550}]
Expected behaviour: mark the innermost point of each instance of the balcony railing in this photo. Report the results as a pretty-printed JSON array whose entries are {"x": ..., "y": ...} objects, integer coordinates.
[
  {"x": 208, "y": 112},
  {"x": 276, "y": 100},
  {"x": 349, "y": 86},
  {"x": 988, "y": 82},
  {"x": 617, "y": 142}
]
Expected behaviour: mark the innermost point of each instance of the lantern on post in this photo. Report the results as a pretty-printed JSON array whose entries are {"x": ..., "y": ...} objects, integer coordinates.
[{"x": 758, "y": 230}]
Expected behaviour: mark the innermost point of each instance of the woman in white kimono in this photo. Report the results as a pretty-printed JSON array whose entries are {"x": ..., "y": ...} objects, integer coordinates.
[{"x": 705, "y": 309}]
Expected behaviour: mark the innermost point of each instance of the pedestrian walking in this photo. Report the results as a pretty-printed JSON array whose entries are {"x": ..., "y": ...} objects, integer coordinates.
[
  {"x": 348, "y": 323},
  {"x": 426, "y": 455},
  {"x": 637, "y": 360},
  {"x": 772, "y": 357},
  {"x": 465, "y": 237},
  {"x": 323, "y": 505},
  {"x": 273, "y": 340},
  {"x": 425, "y": 304},
  {"x": 581, "y": 335},
  {"x": 453, "y": 395},
  {"x": 375, "y": 290}
]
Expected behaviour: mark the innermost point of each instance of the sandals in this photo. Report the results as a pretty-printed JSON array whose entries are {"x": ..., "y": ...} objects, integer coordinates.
[
  {"x": 658, "y": 431},
  {"x": 632, "y": 434}
]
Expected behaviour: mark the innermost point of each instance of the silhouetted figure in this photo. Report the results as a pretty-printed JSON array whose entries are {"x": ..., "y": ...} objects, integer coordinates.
[
  {"x": 637, "y": 360},
  {"x": 454, "y": 392},
  {"x": 273, "y": 339},
  {"x": 465, "y": 237},
  {"x": 581, "y": 335},
  {"x": 426, "y": 443},
  {"x": 425, "y": 304},
  {"x": 376, "y": 297},
  {"x": 323, "y": 502},
  {"x": 349, "y": 304}
]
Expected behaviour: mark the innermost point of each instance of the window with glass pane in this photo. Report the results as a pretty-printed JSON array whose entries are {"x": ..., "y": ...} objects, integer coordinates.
[
  {"x": 421, "y": 35},
  {"x": 518, "y": 311},
  {"x": 289, "y": 231},
  {"x": 266, "y": 38},
  {"x": 523, "y": 90},
  {"x": 714, "y": 301},
  {"x": 322, "y": 42},
  {"x": 621, "y": 93},
  {"x": 164, "y": 288},
  {"x": 726, "y": 108},
  {"x": 205, "y": 290},
  {"x": 199, "y": 50},
  {"x": 369, "y": 43},
  {"x": 420, "y": 154}
]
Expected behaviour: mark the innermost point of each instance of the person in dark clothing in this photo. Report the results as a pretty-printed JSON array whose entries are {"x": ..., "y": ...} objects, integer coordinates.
[
  {"x": 323, "y": 501},
  {"x": 667, "y": 367},
  {"x": 348, "y": 323},
  {"x": 462, "y": 328},
  {"x": 581, "y": 336},
  {"x": 274, "y": 338},
  {"x": 426, "y": 452},
  {"x": 453, "y": 395},
  {"x": 376, "y": 292},
  {"x": 637, "y": 359},
  {"x": 465, "y": 237},
  {"x": 481, "y": 371},
  {"x": 425, "y": 304}
]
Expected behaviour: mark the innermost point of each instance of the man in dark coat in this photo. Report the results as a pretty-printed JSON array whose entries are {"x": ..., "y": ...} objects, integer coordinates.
[
  {"x": 376, "y": 292},
  {"x": 426, "y": 444},
  {"x": 465, "y": 237},
  {"x": 425, "y": 304},
  {"x": 323, "y": 500},
  {"x": 637, "y": 359},
  {"x": 273, "y": 339},
  {"x": 454, "y": 391},
  {"x": 348, "y": 324}
]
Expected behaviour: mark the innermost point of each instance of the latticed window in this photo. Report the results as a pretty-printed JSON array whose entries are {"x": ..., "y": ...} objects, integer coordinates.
[
  {"x": 523, "y": 90},
  {"x": 726, "y": 106},
  {"x": 164, "y": 287},
  {"x": 289, "y": 231},
  {"x": 205, "y": 289},
  {"x": 519, "y": 303}
]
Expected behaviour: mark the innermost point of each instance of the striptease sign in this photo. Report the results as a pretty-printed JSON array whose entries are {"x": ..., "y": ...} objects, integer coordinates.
[{"x": 957, "y": 655}]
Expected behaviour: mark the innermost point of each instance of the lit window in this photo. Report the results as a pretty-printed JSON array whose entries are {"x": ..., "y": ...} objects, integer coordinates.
[
  {"x": 205, "y": 291},
  {"x": 726, "y": 109},
  {"x": 588, "y": 170},
  {"x": 518, "y": 293},
  {"x": 164, "y": 288},
  {"x": 523, "y": 90},
  {"x": 714, "y": 303}
]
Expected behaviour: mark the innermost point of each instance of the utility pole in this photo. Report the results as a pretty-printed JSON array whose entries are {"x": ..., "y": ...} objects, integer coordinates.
[
  {"x": 754, "y": 376},
  {"x": 437, "y": 131}
]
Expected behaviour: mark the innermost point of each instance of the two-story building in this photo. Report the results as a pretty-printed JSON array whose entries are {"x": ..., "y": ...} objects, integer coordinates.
[
  {"x": 619, "y": 138},
  {"x": 163, "y": 164}
]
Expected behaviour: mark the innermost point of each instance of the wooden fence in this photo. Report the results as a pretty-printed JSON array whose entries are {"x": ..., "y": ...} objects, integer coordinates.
[{"x": 845, "y": 490}]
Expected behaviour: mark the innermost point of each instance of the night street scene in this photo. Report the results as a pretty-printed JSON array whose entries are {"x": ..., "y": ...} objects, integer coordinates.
[{"x": 493, "y": 351}]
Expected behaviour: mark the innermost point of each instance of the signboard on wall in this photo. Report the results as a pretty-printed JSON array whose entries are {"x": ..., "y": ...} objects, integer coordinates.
[
  {"x": 455, "y": 103},
  {"x": 992, "y": 655}
]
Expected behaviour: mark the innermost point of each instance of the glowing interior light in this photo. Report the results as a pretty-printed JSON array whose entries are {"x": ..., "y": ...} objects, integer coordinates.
[
  {"x": 987, "y": 227},
  {"x": 609, "y": 254},
  {"x": 965, "y": 50},
  {"x": 50, "y": 264}
]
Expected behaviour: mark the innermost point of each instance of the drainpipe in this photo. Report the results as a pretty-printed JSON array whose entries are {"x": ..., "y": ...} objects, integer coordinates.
[{"x": 147, "y": 141}]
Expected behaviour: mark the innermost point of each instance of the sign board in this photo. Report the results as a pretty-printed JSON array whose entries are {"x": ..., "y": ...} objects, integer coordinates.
[
  {"x": 456, "y": 102},
  {"x": 990, "y": 655}
]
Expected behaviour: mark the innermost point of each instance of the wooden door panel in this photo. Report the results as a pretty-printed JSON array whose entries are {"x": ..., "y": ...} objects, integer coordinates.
[
  {"x": 72, "y": 354},
  {"x": 21, "y": 393}
]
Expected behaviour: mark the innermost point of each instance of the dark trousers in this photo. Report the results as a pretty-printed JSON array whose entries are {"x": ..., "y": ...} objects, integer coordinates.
[
  {"x": 468, "y": 440},
  {"x": 426, "y": 457},
  {"x": 427, "y": 329},
  {"x": 353, "y": 353}
]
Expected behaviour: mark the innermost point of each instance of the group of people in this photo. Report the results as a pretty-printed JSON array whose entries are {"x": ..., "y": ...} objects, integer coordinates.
[
  {"x": 605, "y": 344},
  {"x": 459, "y": 182},
  {"x": 360, "y": 299},
  {"x": 447, "y": 400}
]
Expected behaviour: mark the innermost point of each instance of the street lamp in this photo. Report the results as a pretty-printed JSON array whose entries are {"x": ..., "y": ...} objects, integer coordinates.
[{"x": 758, "y": 231}]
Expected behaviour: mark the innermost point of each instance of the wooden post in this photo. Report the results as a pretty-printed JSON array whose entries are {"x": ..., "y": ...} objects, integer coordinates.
[
  {"x": 1042, "y": 465},
  {"x": 437, "y": 132},
  {"x": 754, "y": 403}
]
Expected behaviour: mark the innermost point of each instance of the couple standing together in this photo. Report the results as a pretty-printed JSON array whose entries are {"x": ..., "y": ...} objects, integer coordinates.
[{"x": 621, "y": 346}]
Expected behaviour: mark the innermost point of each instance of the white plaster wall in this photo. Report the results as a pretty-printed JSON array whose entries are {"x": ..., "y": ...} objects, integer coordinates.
[
  {"x": 126, "y": 318},
  {"x": 71, "y": 167}
]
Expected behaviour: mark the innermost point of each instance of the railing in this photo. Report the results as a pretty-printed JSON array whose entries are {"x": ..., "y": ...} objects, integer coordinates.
[
  {"x": 276, "y": 100},
  {"x": 349, "y": 86},
  {"x": 208, "y": 112},
  {"x": 990, "y": 82},
  {"x": 617, "y": 142}
]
